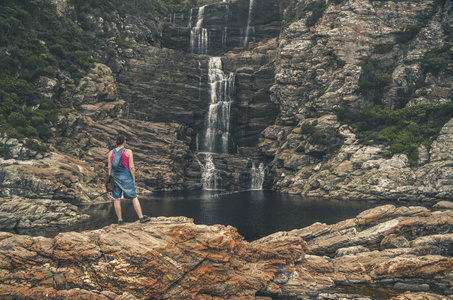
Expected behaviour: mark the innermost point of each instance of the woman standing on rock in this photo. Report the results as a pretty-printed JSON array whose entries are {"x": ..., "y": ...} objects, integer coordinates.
[{"x": 124, "y": 178}]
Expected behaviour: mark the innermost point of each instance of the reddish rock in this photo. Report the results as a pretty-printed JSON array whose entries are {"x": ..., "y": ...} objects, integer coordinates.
[{"x": 170, "y": 258}]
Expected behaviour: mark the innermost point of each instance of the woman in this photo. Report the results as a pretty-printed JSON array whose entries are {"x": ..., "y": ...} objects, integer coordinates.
[{"x": 124, "y": 178}]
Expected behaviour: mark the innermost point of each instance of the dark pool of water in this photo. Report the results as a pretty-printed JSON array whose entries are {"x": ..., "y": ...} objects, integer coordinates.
[{"x": 254, "y": 213}]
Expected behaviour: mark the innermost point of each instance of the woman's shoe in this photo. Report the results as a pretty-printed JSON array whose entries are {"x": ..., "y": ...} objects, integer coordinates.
[
  {"x": 120, "y": 222},
  {"x": 144, "y": 219}
]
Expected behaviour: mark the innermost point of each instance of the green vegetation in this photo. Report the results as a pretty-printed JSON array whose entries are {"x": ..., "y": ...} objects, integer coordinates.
[
  {"x": 149, "y": 9},
  {"x": 436, "y": 59},
  {"x": 4, "y": 150},
  {"x": 403, "y": 130},
  {"x": 373, "y": 81},
  {"x": 36, "y": 146},
  {"x": 122, "y": 43},
  {"x": 139, "y": 77},
  {"x": 317, "y": 9},
  {"x": 408, "y": 33},
  {"x": 34, "y": 43},
  {"x": 314, "y": 135},
  {"x": 383, "y": 48}
]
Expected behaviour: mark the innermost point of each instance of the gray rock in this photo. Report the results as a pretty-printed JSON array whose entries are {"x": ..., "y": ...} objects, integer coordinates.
[
  {"x": 351, "y": 251},
  {"x": 394, "y": 241},
  {"x": 411, "y": 287},
  {"x": 19, "y": 213},
  {"x": 443, "y": 205}
]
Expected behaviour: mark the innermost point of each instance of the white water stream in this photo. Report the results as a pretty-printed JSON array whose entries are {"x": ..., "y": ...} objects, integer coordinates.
[
  {"x": 218, "y": 122},
  {"x": 216, "y": 137},
  {"x": 198, "y": 34},
  {"x": 248, "y": 28},
  {"x": 257, "y": 176}
]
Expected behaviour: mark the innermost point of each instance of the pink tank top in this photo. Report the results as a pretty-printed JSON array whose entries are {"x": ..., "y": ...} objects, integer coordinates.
[{"x": 125, "y": 159}]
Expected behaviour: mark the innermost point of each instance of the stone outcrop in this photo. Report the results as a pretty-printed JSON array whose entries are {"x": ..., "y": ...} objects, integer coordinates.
[
  {"x": 172, "y": 258},
  {"x": 253, "y": 110},
  {"x": 355, "y": 171},
  {"x": 321, "y": 66},
  {"x": 19, "y": 214},
  {"x": 169, "y": 258},
  {"x": 57, "y": 176},
  {"x": 367, "y": 251}
]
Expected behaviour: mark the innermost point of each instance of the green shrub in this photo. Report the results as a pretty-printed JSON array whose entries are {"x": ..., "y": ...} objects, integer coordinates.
[
  {"x": 373, "y": 82},
  {"x": 315, "y": 135},
  {"x": 383, "y": 48},
  {"x": 17, "y": 119},
  {"x": 403, "y": 130},
  {"x": 308, "y": 128},
  {"x": 4, "y": 150},
  {"x": 318, "y": 138},
  {"x": 137, "y": 77},
  {"x": 122, "y": 43},
  {"x": 408, "y": 33},
  {"x": 36, "y": 146},
  {"x": 317, "y": 9},
  {"x": 436, "y": 59}
]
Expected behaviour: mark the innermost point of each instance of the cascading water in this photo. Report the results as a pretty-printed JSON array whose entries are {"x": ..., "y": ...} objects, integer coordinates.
[
  {"x": 198, "y": 34},
  {"x": 257, "y": 176},
  {"x": 248, "y": 28},
  {"x": 216, "y": 138},
  {"x": 214, "y": 143},
  {"x": 210, "y": 177},
  {"x": 217, "y": 135}
]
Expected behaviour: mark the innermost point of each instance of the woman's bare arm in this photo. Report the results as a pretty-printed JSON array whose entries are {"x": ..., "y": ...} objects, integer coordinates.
[
  {"x": 109, "y": 163},
  {"x": 131, "y": 163}
]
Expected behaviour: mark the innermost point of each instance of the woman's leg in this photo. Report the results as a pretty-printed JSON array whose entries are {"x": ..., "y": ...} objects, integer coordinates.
[
  {"x": 137, "y": 207},
  {"x": 117, "y": 206}
]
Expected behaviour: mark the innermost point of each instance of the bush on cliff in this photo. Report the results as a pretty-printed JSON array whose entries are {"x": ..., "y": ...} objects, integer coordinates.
[
  {"x": 34, "y": 42},
  {"x": 317, "y": 9},
  {"x": 437, "y": 59},
  {"x": 373, "y": 81},
  {"x": 403, "y": 130}
]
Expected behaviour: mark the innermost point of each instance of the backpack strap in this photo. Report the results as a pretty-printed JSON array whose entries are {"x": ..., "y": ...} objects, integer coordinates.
[{"x": 121, "y": 159}]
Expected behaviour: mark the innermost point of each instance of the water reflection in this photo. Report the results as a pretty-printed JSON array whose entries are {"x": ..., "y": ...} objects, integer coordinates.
[{"x": 254, "y": 213}]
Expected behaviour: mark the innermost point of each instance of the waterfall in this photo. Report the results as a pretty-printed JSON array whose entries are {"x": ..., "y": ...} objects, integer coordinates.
[
  {"x": 217, "y": 137},
  {"x": 248, "y": 28},
  {"x": 257, "y": 176},
  {"x": 198, "y": 34},
  {"x": 210, "y": 177},
  {"x": 224, "y": 36},
  {"x": 190, "y": 20}
]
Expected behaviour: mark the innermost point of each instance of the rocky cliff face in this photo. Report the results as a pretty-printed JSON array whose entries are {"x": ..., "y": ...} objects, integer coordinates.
[
  {"x": 294, "y": 64},
  {"x": 320, "y": 67},
  {"x": 384, "y": 251}
]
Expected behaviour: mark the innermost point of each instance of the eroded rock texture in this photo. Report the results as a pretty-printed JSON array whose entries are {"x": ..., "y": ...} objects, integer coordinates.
[
  {"x": 385, "y": 251},
  {"x": 169, "y": 258}
]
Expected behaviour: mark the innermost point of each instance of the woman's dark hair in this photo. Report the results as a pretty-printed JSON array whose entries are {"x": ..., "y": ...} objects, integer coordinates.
[{"x": 120, "y": 139}]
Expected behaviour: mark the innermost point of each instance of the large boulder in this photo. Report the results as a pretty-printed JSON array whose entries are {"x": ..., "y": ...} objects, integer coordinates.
[{"x": 168, "y": 258}]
